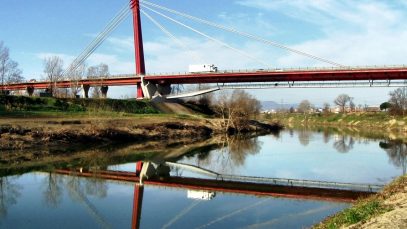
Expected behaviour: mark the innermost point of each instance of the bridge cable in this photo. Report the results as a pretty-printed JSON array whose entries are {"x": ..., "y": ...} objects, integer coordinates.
[
  {"x": 123, "y": 13},
  {"x": 172, "y": 36},
  {"x": 208, "y": 37},
  {"x": 97, "y": 42},
  {"x": 244, "y": 34},
  {"x": 100, "y": 38}
]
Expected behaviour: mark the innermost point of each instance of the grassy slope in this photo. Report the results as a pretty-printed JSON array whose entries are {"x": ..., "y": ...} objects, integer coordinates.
[
  {"x": 379, "y": 120},
  {"x": 365, "y": 209},
  {"x": 23, "y": 106}
]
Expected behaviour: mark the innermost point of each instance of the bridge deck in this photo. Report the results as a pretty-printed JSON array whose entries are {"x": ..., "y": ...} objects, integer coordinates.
[
  {"x": 246, "y": 188},
  {"x": 245, "y": 76}
]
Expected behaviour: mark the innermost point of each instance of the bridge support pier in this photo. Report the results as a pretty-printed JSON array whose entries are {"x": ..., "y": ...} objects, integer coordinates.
[
  {"x": 85, "y": 90},
  {"x": 104, "y": 90},
  {"x": 149, "y": 90},
  {"x": 30, "y": 90}
]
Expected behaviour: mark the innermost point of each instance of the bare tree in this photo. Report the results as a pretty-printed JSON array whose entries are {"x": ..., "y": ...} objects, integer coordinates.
[
  {"x": 99, "y": 72},
  {"x": 236, "y": 109},
  {"x": 304, "y": 107},
  {"x": 53, "y": 68},
  {"x": 9, "y": 71},
  {"x": 341, "y": 101},
  {"x": 398, "y": 100},
  {"x": 75, "y": 76},
  {"x": 327, "y": 108},
  {"x": 352, "y": 105}
]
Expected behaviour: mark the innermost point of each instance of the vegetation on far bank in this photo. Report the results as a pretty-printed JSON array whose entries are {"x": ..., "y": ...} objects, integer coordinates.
[
  {"x": 368, "y": 208},
  {"x": 19, "y": 104},
  {"x": 356, "y": 119}
]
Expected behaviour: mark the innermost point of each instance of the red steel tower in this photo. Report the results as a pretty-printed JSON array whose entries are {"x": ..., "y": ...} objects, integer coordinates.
[{"x": 138, "y": 44}]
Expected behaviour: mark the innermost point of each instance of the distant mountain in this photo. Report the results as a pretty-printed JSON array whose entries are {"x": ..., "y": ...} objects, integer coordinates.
[{"x": 271, "y": 105}]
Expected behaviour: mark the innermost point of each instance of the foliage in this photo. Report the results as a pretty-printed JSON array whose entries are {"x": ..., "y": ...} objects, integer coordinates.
[
  {"x": 305, "y": 106},
  {"x": 398, "y": 101},
  {"x": 366, "y": 209},
  {"x": 22, "y": 103},
  {"x": 385, "y": 106},
  {"x": 362, "y": 211}
]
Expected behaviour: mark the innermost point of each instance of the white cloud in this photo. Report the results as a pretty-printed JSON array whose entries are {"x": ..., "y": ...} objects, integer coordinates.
[
  {"x": 115, "y": 63},
  {"x": 122, "y": 44},
  {"x": 353, "y": 32},
  {"x": 66, "y": 58}
]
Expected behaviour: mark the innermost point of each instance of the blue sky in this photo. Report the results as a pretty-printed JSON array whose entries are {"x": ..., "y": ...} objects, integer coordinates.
[{"x": 347, "y": 32}]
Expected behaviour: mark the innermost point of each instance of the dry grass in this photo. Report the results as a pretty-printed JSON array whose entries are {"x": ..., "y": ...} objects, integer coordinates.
[{"x": 366, "y": 209}]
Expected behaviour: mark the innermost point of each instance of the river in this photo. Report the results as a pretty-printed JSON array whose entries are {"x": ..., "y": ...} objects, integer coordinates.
[{"x": 45, "y": 199}]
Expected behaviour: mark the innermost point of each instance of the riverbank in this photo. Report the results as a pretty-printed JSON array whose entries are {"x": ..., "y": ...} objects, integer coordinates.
[
  {"x": 387, "y": 209},
  {"x": 52, "y": 126},
  {"x": 380, "y": 123},
  {"x": 24, "y": 133}
]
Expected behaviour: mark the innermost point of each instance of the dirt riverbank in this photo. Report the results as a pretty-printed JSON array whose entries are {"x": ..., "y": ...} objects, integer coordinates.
[{"x": 387, "y": 209}]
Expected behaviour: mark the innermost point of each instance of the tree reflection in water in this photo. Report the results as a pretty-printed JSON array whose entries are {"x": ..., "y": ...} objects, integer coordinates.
[
  {"x": 96, "y": 187},
  {"x": 232, "y": 154},
  {"x": 343, "y": 143},
  {"x": 397, "y": 152},
  {"x": 304, "y": 136},
  {"x": 53, "y": 191},
  {"x": 9, "y": 193},
  {"x": 326, "y": 136}
]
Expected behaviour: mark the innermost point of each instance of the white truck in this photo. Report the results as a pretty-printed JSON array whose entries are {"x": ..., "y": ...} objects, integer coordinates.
[{"x": 202, "y": 68}]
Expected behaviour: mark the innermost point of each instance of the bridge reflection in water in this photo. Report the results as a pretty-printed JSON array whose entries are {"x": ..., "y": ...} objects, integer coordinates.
[{"x": 158, "y": 174}]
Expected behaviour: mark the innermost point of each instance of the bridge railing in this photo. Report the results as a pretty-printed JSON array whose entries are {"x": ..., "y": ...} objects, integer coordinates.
[
  {"x": 304, "y": 183},
  {"x": 288, "y": 69}
]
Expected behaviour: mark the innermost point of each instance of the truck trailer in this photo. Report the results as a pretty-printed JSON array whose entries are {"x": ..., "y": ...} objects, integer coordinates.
[{"x": 202, "y": 68}]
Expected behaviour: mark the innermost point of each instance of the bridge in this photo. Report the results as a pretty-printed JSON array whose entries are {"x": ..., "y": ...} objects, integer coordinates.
[
  {"x": 207, "y": 188},
  {"x": 149, "y": 85}
]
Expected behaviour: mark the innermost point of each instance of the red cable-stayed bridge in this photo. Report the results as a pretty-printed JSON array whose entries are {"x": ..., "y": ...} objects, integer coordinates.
[
  {"x": 149, "y": 85},
  {"x": 335, "y": 77}
]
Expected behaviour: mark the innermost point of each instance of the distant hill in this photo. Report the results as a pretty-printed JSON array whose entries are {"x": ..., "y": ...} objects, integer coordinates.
[{"x": 271, "y": 105}]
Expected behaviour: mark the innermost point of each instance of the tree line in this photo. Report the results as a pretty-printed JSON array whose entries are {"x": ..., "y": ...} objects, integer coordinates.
[
  {"x": 9, "y": 70},
  {"x": 54, "y": 71},
  {"x": 396, "y": 104}
]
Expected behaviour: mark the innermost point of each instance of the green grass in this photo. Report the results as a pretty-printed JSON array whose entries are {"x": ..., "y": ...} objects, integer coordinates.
[
  {"x": 360, "y": 212},
  {"x": 379, "y": 117},
  {"x": 365, "y": 209},
  {"x": 21, "y": 106}
]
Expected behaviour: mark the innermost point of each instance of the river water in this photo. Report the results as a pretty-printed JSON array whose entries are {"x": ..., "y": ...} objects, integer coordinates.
[{"x": 49, "y": 200}]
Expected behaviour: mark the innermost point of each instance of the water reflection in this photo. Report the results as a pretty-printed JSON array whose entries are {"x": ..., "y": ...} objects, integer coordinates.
[
  {"x": 343, "y": 143},
  {"x": 397, "y": 152},
  {"x": 304, "y": 136},
  {"x": 9, "y": 193},
  {"x": 53, "y": 190},
  {"x": 231, "y": 154},
  {"x": 314, "y": 154}
]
